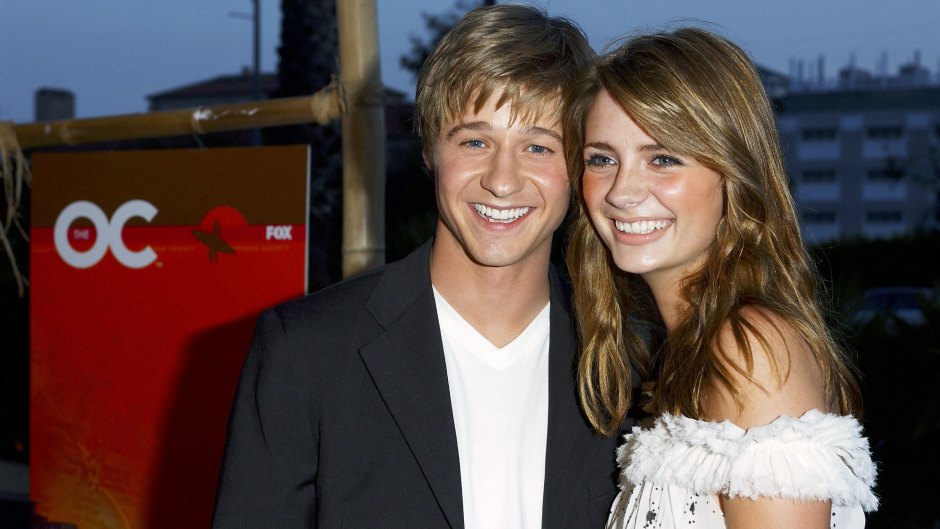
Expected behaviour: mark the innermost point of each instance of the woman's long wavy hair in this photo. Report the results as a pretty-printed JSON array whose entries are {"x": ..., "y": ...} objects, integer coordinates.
[{"x": 696, "y": 94}]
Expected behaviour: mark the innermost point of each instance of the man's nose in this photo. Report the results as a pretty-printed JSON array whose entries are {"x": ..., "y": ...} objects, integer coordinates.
[{"x": 502, "y": 177}]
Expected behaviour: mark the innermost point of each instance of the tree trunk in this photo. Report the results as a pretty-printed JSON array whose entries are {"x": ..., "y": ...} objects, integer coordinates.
[{"x": 307, "y": 61}]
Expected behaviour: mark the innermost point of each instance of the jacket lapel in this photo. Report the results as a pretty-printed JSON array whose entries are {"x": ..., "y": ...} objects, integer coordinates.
[
  {"x": 406, "y": 363},
  {"x": 569, "y": 439}
]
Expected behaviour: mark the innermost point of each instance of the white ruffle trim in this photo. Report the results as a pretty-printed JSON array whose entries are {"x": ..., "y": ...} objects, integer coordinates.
[{"x": 818, "y": 456}]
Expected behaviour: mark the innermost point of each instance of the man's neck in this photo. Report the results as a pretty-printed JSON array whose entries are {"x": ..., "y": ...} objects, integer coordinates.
[{"x": 499, "y": 302}]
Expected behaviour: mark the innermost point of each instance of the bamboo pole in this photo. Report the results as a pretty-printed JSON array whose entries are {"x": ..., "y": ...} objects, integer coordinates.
[
  {"x": 322, "y": 107},
  {"x": 363, "y": 137}
]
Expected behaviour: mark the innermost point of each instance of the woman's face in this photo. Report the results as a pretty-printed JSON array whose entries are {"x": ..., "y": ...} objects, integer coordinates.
[{"x": 657, "y": 211}]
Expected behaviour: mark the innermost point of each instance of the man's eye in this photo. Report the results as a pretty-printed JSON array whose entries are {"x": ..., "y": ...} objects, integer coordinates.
[
  {"x": 539, "y": 149},
  {"x": 474, "y": 144}
]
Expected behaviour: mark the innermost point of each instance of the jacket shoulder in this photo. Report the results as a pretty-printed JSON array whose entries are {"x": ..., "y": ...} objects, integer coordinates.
[
  {"x": 373, "y": 298},
  {"x": 333, "y": 302}
]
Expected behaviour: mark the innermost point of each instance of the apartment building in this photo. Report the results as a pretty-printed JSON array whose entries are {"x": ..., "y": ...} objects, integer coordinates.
[{"x": 863, "y": 153}]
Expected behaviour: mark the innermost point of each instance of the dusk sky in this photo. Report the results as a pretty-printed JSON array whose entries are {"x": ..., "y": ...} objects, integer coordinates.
[{"x": 113, "y": 53}]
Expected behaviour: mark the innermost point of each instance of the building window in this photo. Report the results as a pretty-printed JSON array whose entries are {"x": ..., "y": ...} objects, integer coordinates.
[
  {"x": 819, "y": 176},
  {"x": 885, "y": 175},
  {"x": 884, "y": 217},
  {"x": 885, "y": 132},
  {"x": 819, "y": 217},
  {"x": 819, "y": 134}
]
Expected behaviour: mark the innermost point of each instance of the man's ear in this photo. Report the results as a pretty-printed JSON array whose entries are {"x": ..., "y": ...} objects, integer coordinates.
[{"x": 428, "y": 160}]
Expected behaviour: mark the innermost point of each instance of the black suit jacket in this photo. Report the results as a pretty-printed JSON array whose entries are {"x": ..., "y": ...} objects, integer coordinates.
[{"x": 343, "y": 418}]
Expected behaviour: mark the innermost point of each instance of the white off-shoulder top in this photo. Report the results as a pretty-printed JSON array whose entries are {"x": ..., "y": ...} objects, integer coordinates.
[{"x": 672, "y": 473}]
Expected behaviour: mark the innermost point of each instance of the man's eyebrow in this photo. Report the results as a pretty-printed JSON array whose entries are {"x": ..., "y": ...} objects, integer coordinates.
[
  {"x": 533, "y": 130},
  {"x": 476, "y": 126},
  {"x": 485, "y": 126}
]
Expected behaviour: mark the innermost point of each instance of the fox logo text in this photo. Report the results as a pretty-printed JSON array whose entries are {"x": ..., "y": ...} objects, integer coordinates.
[
  {"x": 108, "y": 234},
  {"x": 278, "y": 233}
]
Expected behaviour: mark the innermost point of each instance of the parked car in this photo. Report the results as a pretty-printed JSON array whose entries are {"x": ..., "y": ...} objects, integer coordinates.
[{"x": 895, "y": 303}]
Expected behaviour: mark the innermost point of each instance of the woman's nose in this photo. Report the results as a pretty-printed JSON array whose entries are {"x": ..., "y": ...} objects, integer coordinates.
[{"x": 630, "y": 187}]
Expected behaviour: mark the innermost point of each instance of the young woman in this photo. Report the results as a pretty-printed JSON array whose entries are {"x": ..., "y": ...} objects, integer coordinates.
[{"x": 683, "y": 196}]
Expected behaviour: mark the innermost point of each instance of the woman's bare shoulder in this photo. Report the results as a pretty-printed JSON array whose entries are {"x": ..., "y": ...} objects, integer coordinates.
[{"x": 780, "y": 377}]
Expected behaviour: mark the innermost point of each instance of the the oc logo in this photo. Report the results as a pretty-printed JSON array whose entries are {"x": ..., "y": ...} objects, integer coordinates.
[{"x": 108, "y": 234}]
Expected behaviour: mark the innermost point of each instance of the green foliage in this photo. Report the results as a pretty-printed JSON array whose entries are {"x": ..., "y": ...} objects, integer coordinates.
[
  {"x": 849, "y": 267},
  {"x": 902, "y": 418},
  {"x": 15, "y": 177},
  {"x": 14, "y": 305},
  {"x": 307, "y": 62},
  {"x": 410, "y": 201},
  {"x": 437, "y": 26},
  {"x": 899, "y": 366}
]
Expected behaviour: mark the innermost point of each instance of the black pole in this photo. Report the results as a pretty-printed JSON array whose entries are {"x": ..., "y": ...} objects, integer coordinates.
[{"x": 257, "y": 50}]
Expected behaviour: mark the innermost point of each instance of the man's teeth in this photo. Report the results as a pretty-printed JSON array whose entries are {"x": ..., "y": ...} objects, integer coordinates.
[
  {"x": 500, "y": 215},
  {"x": 641, "y": 227}
]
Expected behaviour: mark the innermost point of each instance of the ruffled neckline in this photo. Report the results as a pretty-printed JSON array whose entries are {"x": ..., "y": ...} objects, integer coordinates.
[{"x": 817, "y": 456}]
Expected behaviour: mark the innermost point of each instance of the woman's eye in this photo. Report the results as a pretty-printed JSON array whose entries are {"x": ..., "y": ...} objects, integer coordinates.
[
  {"x": 664, "y": 160},
  {"x": 599, "y": 160}
]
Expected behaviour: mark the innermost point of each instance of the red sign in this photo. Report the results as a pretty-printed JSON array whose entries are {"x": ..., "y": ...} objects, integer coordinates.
[{"x": 148, "y": 270}]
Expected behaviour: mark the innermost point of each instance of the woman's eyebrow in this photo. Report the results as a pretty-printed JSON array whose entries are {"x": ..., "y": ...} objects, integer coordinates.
[{"x": 602, "y": 145}]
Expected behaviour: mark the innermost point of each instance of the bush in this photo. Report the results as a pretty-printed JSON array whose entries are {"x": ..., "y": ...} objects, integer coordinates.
[{"x": 899, "y": 366}]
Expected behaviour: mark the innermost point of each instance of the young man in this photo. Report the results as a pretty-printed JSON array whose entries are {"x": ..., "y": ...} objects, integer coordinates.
[{"x": 439, "y": 390}]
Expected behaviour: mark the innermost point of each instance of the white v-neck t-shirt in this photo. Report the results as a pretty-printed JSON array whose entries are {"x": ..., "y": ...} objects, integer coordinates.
[{"x": 499, "y": 397}]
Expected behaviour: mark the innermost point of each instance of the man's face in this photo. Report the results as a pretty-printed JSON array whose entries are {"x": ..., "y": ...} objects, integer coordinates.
[{"x": 502, "y": 188}]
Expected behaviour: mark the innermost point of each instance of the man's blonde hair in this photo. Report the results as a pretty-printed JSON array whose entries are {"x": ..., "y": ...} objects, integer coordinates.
[{"x": 519, "y": 50}]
